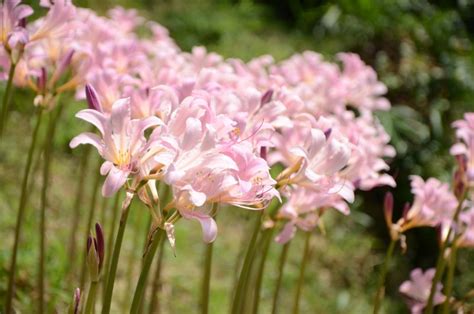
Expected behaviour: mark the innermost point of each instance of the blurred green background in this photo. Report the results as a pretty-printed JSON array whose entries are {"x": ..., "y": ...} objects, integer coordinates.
[{"x": 422, "y": 50}]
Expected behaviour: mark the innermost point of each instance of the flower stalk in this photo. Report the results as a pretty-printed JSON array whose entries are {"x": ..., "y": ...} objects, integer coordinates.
[
  {"x": 281, "y": 266},
  {"x": 6, "y": 98},
  {"x": 304, "y": 261},
  {"x": 112, "y": 272},
  {"x": 19, "y": 220},
  {"x": 206, "y": 280},
  {"x": 383, "y": 274},
  {"x": 265, "y": 245},
  {"x": 54, "y": 117},
  {"x": 450, "y": 278},
  {"x": 92, "y": 206},
  {"x": 441, "y": 262},
  {"x": 148, "y": 258},
  {"x": 239, "y": 297}
]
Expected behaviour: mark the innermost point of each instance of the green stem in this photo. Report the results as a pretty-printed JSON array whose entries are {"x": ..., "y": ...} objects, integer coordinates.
[
  {"x": 281, "y": 266},
  {"x": 6, "y": 99},
  {"x": 206, "y": 279},
  {"x": 90, "y": 218},
  {"x": 19, "y": 220},
  {"x": 381, "y": 282},
  {"x": 91, "y": 297},
  {"x": 238, "y": 302},
  {"x": 299, "y": 287},
  {"x": 266, "y": 239},
  {"x": 54, "y": 117},
  {"x": 116, "y": 254},
  {"x": 141, "y": 284},
  {"x": 441, "y": 262},
  {"x": 449, "y": 280},
  {"x": 78, "y": 202},
  {"x": 155, "y": 300},
  {"x": 110, "y": 243}
]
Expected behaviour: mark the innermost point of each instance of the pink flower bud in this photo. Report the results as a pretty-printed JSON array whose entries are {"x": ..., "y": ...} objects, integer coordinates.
[
  {"x": 100, "y": 243},
  {"x": 267, "y": 97},
  {"x": 92, "y": 99}
]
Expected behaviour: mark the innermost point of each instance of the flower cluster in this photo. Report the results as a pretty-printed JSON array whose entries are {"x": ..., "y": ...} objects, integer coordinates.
[{"x": 209, "y": 128}]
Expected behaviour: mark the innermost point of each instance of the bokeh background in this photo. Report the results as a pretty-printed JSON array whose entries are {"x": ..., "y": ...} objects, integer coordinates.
[{"x": 422, "y": 50}]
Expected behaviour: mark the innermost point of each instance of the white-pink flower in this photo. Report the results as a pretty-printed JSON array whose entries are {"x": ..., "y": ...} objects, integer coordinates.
[
  {"x": 303, "y": 209},
  {"x": 13, "y": 21},
  {"x": 417, "y": 290},
  {"x": 122, "y": 144},
  {"x": 434, "y": 205}
]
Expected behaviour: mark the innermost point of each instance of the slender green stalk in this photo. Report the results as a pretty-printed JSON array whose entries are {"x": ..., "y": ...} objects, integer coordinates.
[
  {"x": 449, "y": 281},
  {"x": 91, "y": 297},
  {"x": 116, "y": 253},
  {"x": 441, "y": 262},
  {"x": 141, "y": 284},
  {"x": 155, "y": 300},
  {"x": 110, "y": 243},
  {"x": 78, "y": 202},
  {"x": 266, "y": 239},
  {"x": 299, "y": 287},
  {"x": 239, "y": 261},
  {"x": 19, "y": 220},
  {"x": 206, "y": 281},
  {"x": 54, "y": 117},
  {"x": 239, "y": 297},
  {"x": 381, "y": 282},
  {"x": 281, "y": 266},
  {"x": 90, "y": 218},
  {"x": 6, "y": 99}
]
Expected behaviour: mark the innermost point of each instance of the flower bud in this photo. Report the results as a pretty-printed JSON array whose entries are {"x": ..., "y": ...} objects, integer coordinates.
[
  {"x": 327, "y": 133},
  {"x": 267, "y": 97},
  {"x": 63, "y": 65},
  {"x": 92, "y": 99},
  {"x": 100, "y": 244},
  {"x": 388, "y": 209},
  {"x": 42, "y": 81},
  {"x": 92, "y": 259},
  {"x": 76, "y": 302},
  {"x": 263, "y": 152},
  {"x": 95, "y": 253}
]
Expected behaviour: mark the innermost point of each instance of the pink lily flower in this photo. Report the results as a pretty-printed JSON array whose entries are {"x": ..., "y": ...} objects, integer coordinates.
[
  {"x": 303, "y": 210},
  {"x": 434, "y": 205},
  {"x": 12, "y": 21},
  {"x": 122, "y": 144},
  {"x": 417, "y": 290}
]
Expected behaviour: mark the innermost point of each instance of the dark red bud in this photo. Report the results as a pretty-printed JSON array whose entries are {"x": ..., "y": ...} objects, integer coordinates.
[
  {"x": 267, "y": 97},
  {"x": 92, "y": 99},
  {"x": 263, "y": 152},
  {"x": 100, "y": 243},
  {"x": 327, "y": 133}
]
